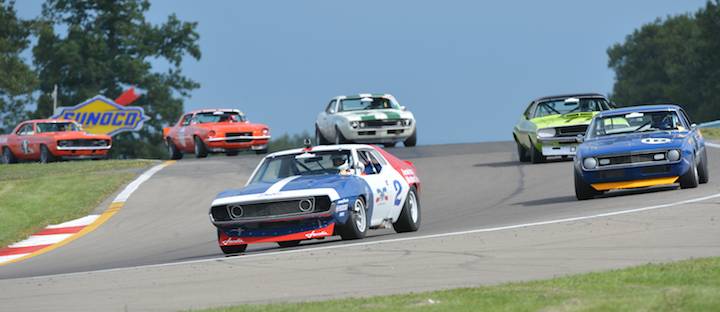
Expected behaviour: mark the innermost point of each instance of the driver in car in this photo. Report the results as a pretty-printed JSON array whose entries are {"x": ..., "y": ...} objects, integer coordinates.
[{"x": 340, "y": 163}]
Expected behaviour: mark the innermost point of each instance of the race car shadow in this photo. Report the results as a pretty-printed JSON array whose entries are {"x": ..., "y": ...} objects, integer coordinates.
[
  {"x": 547, "y": 201},
  {"x": 611, "y": 194}
]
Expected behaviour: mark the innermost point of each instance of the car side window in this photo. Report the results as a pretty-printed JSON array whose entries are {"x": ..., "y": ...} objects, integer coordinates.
[
  {"x": 372, "y": 164},
  {"x": 527, "y": 111},
  {"x": 686, "y": 117},
  {"x": 186, "y": 120},
  {"x": 367, "y": 164},
  {"x": 330, "y": 109},
  {"x": 378, "y": 157},
  {"x": 25, "y": 130}
]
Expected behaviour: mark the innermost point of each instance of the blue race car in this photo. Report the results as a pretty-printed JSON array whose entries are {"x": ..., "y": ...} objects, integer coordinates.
[
  {"x": 637, "y": 147},
  {"x": 316, "y": 192}
]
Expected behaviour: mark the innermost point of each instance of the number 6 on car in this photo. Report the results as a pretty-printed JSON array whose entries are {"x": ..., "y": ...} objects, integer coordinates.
[{"x": 316, "y": 192}]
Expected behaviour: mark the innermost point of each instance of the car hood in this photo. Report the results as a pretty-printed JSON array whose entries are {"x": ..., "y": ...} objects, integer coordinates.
[
  {"x": 633, "y": 142},
  {"x": 337, "y": 182},
  {"x": 376, "y": 114},
  {"x": 74, "y": 135},
  {"x": 225, "y": 127},
  {"x": 571, "y": 119}
]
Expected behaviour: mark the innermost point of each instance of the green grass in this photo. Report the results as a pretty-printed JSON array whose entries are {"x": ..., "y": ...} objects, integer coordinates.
[
  {"x": 34, "y": 195},
  {"x": 711, "y": 133},
  {"x": 692, "y": 285}
]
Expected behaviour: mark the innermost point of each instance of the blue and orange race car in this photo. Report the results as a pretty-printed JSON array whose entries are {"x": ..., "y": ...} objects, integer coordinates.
[
  {"x": 640, "y": 146},
  {"x": 316, "y": 192}
]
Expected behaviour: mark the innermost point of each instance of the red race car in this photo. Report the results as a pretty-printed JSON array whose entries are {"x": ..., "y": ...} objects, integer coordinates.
[
  {"x": 46, "y": 140},
  {"x": 215, "y": 131}
]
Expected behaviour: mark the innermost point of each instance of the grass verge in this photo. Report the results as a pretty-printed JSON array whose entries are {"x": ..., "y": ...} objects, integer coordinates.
[
  {"x": 711, "y": 133},
  {"x": 692, "y": 285},
  {"x": 34, "y": 195}
]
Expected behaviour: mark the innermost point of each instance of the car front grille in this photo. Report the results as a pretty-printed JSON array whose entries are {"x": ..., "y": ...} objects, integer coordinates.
[
  {"x": 294, "y": 207},
  {"x": 83, "y": 143},
  {"x": 570, "y": 130},
  {"x": 382, "y": 123},
  {"x": 630, "y": 159},
  {"x": 236, "y": 134}
]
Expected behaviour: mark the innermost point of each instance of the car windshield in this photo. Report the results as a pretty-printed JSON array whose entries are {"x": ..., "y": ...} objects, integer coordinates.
[
  {"x": 309, "y": 163},
  {"x": 218, "y": 117},
  {"x": 570, "y": 105},
  {"x": 57, "y": 127},
  {"x": 366, "y": 103},
  {"x": 635, "y": 122}
]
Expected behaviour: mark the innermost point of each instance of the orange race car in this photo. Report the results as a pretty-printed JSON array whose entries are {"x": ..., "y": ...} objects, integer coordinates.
[
  {"x": 46, "y": 140},
  {"x": 215, "y": 131}
]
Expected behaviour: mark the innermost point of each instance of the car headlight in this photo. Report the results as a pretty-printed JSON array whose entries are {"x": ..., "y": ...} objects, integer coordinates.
[
  {"x": 211, "y": 133},
  {"x": 354, "y": 124},
  {"x": 63, "y": 143},
  {"x": 362, "y": 125},
  {"x": 407, "y": 122},
  {"x": 546, "y": 133},
  {"x": 265, "y": 132},
  {"x": 590, "y": 163},
  {"x": 673, "y": 155}
]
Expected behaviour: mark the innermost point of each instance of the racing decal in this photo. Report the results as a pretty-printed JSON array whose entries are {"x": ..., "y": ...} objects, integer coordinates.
[
  {"x": 275, "y": 188},
  {"x": 25, "y": 146},
  {"x": 382, "y": 194},
  {"x": 225, "y": 240},
  {"x": 655, "y": 140},
  {"x": 398, "y": 192}
]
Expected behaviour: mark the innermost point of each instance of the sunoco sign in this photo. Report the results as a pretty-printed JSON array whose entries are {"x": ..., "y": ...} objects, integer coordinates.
[{"x": 101, "y": 115}]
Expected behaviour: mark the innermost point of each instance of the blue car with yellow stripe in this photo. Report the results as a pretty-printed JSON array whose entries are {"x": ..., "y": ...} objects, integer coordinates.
[{"x": 636, "y": 147}]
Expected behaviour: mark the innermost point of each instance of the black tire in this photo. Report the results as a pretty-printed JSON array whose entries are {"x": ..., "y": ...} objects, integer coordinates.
[
  {"x": 583, "y": 190},
  {"x": 45, "y": 155},
  {"x": 406, "y": 222},
  {"x": 262, "y": 151},
  {"x": 522, "y": 153},
  {"x": 232, "y": 153},
  {"x": 339, "y": 137},
  {"x": 389, "y": 144},
  {"x": 412, "y": 140},
  {"x": 200, "y": 149},
  {"x": 7, "y": 156},
  {"x": 703, "y": 173},
  {"x": 319, "y": 138},
  {"x": 536, "y": 157},
  {"x": 690, "y": 178},
  {"x": 231, "y": 249},
  {"x": 354, "y": 228},
  {"x": 287, "y": 244},
  {"x": 173, "y": 152}
]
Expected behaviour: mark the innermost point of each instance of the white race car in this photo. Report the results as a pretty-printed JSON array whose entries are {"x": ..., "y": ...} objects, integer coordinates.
[{"x": 365, "y": 118}]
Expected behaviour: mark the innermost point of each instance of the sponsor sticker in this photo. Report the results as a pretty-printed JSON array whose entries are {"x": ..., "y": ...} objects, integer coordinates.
[
  {"x": 655, "y": 140},
  {"x": 100, "y": 115}
]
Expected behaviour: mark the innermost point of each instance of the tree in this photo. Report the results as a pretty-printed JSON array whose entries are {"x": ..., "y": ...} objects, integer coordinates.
[
  {"x": 674, "y": 60},
  {"x": 107, "y": 46},
  {"x": 17, "y": 80}
]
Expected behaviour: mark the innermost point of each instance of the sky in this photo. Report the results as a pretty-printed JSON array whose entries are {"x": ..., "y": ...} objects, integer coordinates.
[{"x": 466, "y": 69}]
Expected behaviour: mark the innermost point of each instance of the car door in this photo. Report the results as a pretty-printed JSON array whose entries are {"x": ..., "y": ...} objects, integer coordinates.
[
  {"x": 23, "y": 147},
  {"x": 379, "y": 184},
  {"x": 182, "y": 134},
  {"x": 398, "y": 186},
  {"x": 325, "y": 120}
]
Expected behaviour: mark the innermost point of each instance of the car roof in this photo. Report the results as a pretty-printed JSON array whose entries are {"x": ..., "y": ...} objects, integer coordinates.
[
  {"x": 320, "y": 148},
  {"x": 639, "y": 109},
  {"x": 364, "y": 95},
  {"x": 212, "y": 110},
  {"x": 565, "y": 96}
]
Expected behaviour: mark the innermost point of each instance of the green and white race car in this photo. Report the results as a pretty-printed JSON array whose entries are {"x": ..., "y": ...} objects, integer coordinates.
[
  {"x": 550, "y": 125},
  {"x": 365, "y": 118}
]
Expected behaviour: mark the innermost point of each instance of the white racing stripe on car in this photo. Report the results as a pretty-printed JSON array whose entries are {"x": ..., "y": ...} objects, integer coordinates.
[
  {"x": 394, "y": 240},
  {"x": 275, "y": 188}
]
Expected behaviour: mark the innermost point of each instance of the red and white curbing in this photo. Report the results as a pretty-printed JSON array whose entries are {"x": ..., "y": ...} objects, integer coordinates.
[
  {"x": 57, "y": 235},
  {"x": 51, "y": 235}
]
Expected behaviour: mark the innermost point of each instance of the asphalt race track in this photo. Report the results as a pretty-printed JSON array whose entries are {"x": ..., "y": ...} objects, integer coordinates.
[{"x": 159, "y": 252}]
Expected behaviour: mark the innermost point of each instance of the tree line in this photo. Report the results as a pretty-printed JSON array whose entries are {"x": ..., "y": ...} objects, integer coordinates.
[
  {"x": 95, "y": 47},
  {"x": 672, "y": 60}
]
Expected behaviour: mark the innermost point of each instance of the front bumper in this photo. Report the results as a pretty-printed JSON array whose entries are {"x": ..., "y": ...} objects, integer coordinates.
[
  {"x": 81, "y": 152},
  {"x": 635, "y": 176},
  {"x": 223, "y": 144},
  {"x": 558, "y": 146},
  {"x": 309, "y": 229},
  {"x": 378, "y": 134}
]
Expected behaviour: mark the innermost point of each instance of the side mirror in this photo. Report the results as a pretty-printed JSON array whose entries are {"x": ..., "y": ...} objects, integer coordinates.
[
  {"x": 403, "y": 108},
  {"x": 580, "y": 138},
  {"x": 693, "y": 126},
  {"x": 332, "y": 111}
]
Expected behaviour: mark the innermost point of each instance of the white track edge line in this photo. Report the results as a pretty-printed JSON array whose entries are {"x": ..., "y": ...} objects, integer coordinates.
[
  {"x": 394, "y": 240},
  {"x": 712, "y": 145},
  {"x": 133, "y": 186}
]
